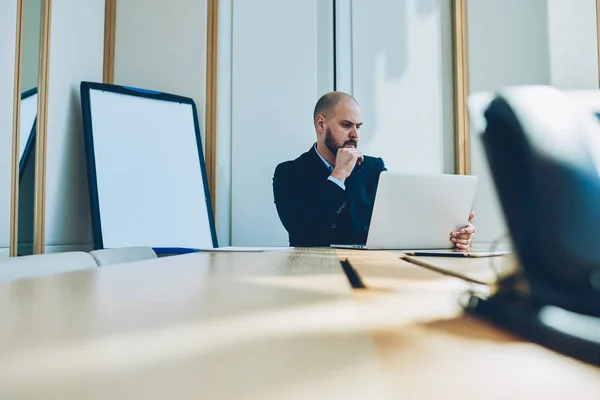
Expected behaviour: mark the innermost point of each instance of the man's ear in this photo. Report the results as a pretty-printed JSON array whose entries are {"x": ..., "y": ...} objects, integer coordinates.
[{"x": 320, "y": 124}]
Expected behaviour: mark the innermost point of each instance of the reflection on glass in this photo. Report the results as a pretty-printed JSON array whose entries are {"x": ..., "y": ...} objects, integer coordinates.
[
  {"x": 27, "y": 128},
  {"x": 29, "y": 103}
]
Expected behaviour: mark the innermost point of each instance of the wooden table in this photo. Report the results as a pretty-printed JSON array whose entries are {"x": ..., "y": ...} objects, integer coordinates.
[
  {"x": 431, "y": 349},
  {"x": 385, "y": 270},
  {"x": 265, "y": 325},
  {"x": 211, "y": 326}
]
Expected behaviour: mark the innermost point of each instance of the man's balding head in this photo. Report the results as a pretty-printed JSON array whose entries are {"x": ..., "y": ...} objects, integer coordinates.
[
  {"x": 327, "y": 103},
  {"x": 337, "y": 120}
]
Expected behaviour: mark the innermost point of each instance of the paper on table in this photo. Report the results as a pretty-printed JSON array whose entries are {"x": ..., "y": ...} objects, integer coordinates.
[{"x": 248, "y": 249}]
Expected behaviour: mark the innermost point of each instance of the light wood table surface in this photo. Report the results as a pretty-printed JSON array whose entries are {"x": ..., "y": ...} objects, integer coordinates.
[
  {"x": 431, "y": 349},
  {"x": 267, "y": 326},
  {"x": 386, "y": 270},
  {"x": 278, "y": 325}
]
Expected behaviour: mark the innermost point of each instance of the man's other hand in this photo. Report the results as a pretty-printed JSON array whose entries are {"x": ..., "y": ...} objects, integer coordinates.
[
  {"x": 345, "y": 160},
  {"x": 462, "y": 238}
]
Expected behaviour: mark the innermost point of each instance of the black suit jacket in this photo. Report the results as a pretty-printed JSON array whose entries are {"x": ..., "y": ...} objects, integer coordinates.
[{"x": 316, "y": 211}]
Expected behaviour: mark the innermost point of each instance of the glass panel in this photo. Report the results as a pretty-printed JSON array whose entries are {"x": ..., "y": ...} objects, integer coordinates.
[{"x": 32, "y": 12}]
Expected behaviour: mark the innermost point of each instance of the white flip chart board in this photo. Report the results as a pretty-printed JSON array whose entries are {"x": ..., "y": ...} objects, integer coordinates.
[{"x": 146, "y": 169}]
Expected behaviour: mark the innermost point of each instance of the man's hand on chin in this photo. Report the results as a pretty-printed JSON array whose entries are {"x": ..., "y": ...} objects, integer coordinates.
[
  {"x": 345, "y": 160},
  {"x": 462, "y": 238}
]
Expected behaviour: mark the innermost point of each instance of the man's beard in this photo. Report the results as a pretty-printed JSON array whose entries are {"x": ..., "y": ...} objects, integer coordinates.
[{"x": 333, "y": 146}]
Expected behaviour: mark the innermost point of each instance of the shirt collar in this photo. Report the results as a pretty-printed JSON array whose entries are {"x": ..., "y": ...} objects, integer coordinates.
[{"x": 329, "y": 167}]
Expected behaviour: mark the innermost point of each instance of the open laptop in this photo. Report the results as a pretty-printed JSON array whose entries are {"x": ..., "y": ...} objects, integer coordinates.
[{"x": 417, "y": 212}]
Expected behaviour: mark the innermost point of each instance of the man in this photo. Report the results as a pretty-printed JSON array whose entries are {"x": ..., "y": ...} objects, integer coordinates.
[{"x": 326, "y": 195}]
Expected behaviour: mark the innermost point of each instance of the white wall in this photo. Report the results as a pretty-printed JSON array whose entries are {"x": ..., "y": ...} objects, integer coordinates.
[
  {"x": 508, "y": 43},
  {"x": 8, "y": 13},
  {"x": 573, "y": 44},
  {"x": 76, "y": 54},
  {"x": 223, "y": 162},
  {"x": 161, "y": 45},
  {"x": 278, "y": 74},
  {"x": 395, "y": 58},
  {"x": 402, "y": 79},
  {"x": 514, "y": 42},
  {"x": 343, "y": 46}
]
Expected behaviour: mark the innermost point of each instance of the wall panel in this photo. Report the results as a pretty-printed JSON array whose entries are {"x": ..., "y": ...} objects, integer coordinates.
[
  {"x": 8, "y": 28},
  {"x": 76, "y": 54},
  {"x": 276, "y": 80},
  {"x": 402, "y": 78}
]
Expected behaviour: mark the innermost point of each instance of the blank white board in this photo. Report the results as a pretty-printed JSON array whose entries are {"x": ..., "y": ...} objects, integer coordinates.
[{"x": 145, "y": 169}]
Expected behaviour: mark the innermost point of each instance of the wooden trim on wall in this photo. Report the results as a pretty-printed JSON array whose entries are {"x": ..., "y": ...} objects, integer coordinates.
[
  {"x": 39, "y": 214},
  {"x": 14, "y": 178},
  {"x": 211, "y": 98},
  {"x": 110, "y": 17},
  {"x": 461, "y": 87},
  {"x": 598, "y": 36}
]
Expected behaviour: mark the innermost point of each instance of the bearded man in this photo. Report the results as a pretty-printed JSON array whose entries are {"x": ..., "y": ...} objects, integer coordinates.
[{"x": 326, "y": 195}]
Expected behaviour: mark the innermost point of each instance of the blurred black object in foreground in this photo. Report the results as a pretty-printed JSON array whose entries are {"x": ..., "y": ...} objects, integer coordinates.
[{"x": 543, "y": 150}]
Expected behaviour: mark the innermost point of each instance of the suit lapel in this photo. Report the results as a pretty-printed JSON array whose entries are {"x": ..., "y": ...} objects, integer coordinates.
[{"x": 315, "y": 165}]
